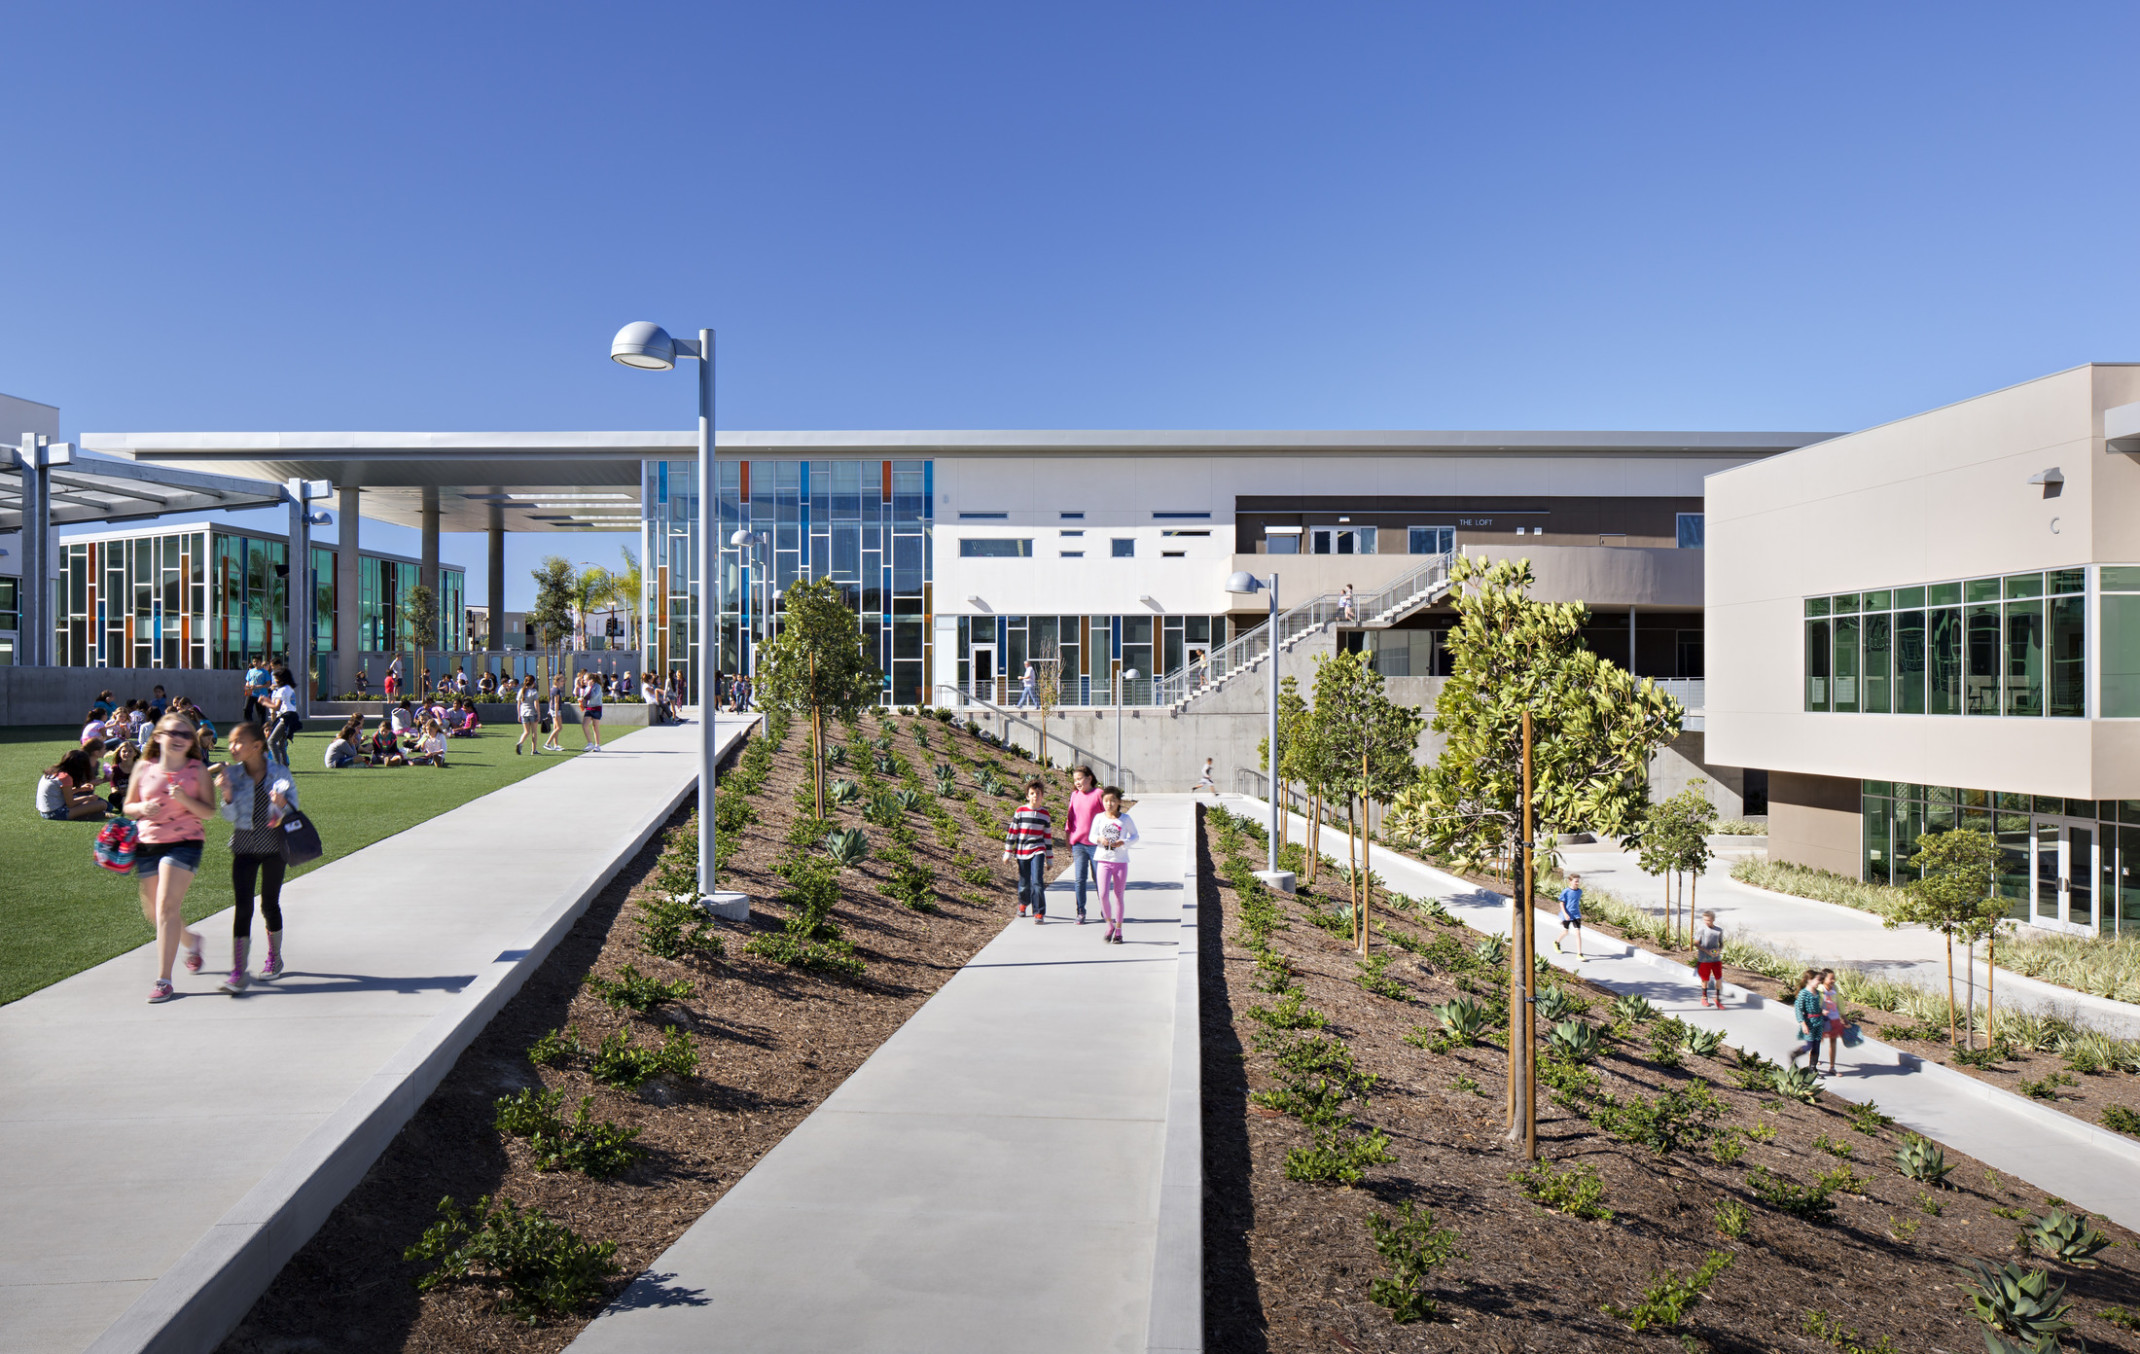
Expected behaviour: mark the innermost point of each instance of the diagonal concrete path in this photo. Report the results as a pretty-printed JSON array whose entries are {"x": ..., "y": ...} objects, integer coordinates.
[
  {"x": 2095, "y": 1168},
  {"x": 160, "y": 1163},
  {"x": 1004, "y": 1173}
]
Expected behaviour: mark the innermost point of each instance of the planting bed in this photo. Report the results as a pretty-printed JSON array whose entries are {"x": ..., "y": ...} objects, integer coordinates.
[
  {"x": 1293, "y": 1265},
  {"x": 772, "y": 1041}
]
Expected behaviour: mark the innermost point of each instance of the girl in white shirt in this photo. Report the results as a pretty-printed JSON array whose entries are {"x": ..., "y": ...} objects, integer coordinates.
[
  {"x": 1112, "y": 834},
  {"x": 431, "y": 748}
]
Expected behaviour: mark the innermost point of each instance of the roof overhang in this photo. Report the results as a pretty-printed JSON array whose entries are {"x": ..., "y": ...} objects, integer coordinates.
[{"x": 90, "y": 488}]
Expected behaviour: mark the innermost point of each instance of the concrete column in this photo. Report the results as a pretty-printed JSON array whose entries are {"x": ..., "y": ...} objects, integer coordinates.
[
  {"x": 345, "y": 592},
  {"x": 35, "y": 588},
  {"x": 1630, "y": 641},
  {"x": 299, "y": 591},
  {"x": 495, "y": 600},
  {"x": 429, "y": 555}
]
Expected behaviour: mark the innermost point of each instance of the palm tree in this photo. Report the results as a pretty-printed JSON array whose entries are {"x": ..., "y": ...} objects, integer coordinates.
[
  {"x": 629, "y": 583},
  {"x": 594, "y": 589}
]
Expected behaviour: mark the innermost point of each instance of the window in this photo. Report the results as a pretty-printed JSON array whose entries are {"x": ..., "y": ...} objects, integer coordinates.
[
  {"x": 1343, "y": 540},
  {"x": 1073, "y": 517},
  {"x": 1183, "y": 531},
  {"x": 1173, "y": 554},
  {"x": 1281, "y": 540},
  {"x": 1073, "y": 554},
  {"x": 2121, "y": 642},
  {"x": 2011, "y": 646},
  {"x": 1077, "y": 531},
  {"x": 997, "y": 547},
  {"x": 1690, "y": 653},
  {"x": 1690, "y": 531},
  {"x": 983, "y": 516},
  {"x": 10, "y": 608},
  {"x": 1125, "y": 547},
  {"x": 1173, "y": 516},
  {"x": 1431, "y": 540}
]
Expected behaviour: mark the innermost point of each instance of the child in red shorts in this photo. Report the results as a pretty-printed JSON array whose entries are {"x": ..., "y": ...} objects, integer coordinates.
[{"x": 1709, "y": 957}]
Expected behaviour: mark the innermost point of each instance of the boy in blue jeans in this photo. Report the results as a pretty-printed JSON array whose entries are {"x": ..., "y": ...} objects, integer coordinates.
[{"x": 1030, "y": 836}]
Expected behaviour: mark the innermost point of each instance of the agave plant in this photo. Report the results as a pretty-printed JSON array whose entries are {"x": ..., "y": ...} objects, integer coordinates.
[
  {"x": 1491, "y": 952},
  {"x": 2020, "y": 1304},
  {"x": 884, "y": 811},
  {"x": 843, "y": 791},
  {"x": 1633, "y": 1007},
  {"x": 1799, "y": 1083},
  {"x": 1433, "y": 910},
  {"x": 885, "y": 764},
  {"x": 1575, "y": 1040},
  {"x": 1704, "y": 1043},
  {"x": 909, "y": 801},
  {"x": 882, "y": 742},
  {"x": 947, "y": 787},
  {"x": 1922, "y": 1160},
  {"x": 836, "y": 756},
  {"x": 1556, "y": 1005},
  {"x": 847, "y": 847},
  {"x": 1464, "y": 1018},
  {"x": 2066, "y": 1238}
]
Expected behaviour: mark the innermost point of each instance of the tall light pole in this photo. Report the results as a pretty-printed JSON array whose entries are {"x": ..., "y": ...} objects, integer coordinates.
[
  {"x": 648, "y": 347},
  {"x": 1122, "y": 678},
  {"x": 1248, "y": 583}
]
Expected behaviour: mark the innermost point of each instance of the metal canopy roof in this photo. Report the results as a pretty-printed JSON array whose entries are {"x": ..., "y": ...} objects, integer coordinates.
[
  {"x": 89, "y": 488},
  {"x": 562, "y": 481}
]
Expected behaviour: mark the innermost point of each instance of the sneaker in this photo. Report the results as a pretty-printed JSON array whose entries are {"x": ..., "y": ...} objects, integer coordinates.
[
  {"x": 161, "y": 991},
  {"x": 1021, "y": 909},
  {"x": 271, "y": 967},
  {"x": 1040, "y": 918},
  {"x": 1080, "y": 919},
  {"x": 235, "y": 983},
  {"x": 193, "y": 960}
]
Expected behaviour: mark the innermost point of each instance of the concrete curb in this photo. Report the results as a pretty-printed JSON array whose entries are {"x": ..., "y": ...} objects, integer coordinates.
[
  {"x": 198, "y": 1301},
  {"x": 1176, "y": 1322}
]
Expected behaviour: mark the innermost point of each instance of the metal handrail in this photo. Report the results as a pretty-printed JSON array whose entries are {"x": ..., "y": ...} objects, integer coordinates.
[
  {"x": 1248, "y": 650},
  {"x": 1118, "y": 774},
  {"x": 1255, "y": 785}
]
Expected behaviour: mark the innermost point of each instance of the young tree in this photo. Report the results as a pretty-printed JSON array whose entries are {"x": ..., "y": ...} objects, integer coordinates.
[
  {"x": 1672, "y": 842},
  {"x": 815, "y": 666},
  {"x": 423, "y": 616},
  {"x": 1292, "y": 714},
  {"x": 555, "y": 585},
  {"x": 1366, "y": 740},
  {"x": 1594, "y": 726},
  {"x": 1953, "y": 892},
  {"x": 630, "y": 583}
]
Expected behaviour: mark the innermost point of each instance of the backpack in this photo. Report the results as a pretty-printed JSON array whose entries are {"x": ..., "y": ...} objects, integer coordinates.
[{"x": 117, "y": 842}]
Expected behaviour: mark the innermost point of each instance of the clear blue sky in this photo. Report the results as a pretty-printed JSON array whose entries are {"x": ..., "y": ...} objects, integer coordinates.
[{"x": 983, "y": 215}]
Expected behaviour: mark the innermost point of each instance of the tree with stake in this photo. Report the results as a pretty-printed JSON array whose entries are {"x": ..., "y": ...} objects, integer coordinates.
[
  {"x": 815, "y": 666},
  {"x": 1672, "y": 842},
  {"x": 1955, "y": 870},
  {"x": 1305, "y": 756},
  {"x": 1367, "y": 741},
  {"x": 1292, "y": 719}
]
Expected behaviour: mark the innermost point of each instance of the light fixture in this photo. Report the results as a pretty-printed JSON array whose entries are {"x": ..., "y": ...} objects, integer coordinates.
[
  {"x": 1241, "y": 581},
  {"x": 1151, "y": 602},
  {"x": 645, "y": 345}
]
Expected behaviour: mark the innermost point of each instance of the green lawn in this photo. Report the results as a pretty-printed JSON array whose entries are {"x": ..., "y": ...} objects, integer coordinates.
[{"x": 61, "y": 912}]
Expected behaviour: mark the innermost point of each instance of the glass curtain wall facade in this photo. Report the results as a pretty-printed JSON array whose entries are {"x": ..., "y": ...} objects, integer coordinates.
[
  {"x": 1087, "y": 652},
  {"x": 863, "y": 524}
]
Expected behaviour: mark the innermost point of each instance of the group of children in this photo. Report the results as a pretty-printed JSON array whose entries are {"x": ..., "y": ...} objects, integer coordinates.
[
  {"x": 91, "y": 781},
  {"x": 1099, "y": 837}
]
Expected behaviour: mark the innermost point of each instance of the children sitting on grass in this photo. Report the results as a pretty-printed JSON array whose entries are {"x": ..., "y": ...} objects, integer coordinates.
[
  {"x": 67, "y": 792},
  {"x": 343, "y": 751},
  {"x": 124, "y": 758},
  {"x": 430, "y": 747},
  {"x": 385, "y": 748}
]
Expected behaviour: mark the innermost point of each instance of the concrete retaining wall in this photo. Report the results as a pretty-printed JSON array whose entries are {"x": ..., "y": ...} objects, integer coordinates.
[{"x": 64, "y": 695}]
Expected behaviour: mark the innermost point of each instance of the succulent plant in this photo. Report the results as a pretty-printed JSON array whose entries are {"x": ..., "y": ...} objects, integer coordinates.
[
  {"x": 1556, "y": 1005},
  {"x": 847, "y": 847},
  {"x": 1633, "y": 1007},
  {"x": 1922, "y": 1160},
  {"x": 1492, "y": 952},
  {"x": 2022, "y": 1305},
  {"x": 843, "y": 791},
  {"x": 2067, "y": 1238},
  {"x": 1799, "y": 1083},
  {"x": 1704, "y": 1043},
  {"x": 909, "y": 801},
  {"x": 1464, "y": 1018},
  {"x": 1575, "y": 1040},
  {"x": 836, "y": 756}
]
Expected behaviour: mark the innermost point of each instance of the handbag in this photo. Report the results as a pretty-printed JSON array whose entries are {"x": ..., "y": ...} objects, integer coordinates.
[
  {"x": 117, "y": 843},
  {"x": 300, "y": 840},
  {"x": 1852, "y": 1035}
]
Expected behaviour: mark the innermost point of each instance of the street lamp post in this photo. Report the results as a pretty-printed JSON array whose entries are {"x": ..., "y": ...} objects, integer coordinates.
[
  {"x": 1248, "y": 583},
  {"x": 1122, "y": 678},
  {"x": 648, "y": 347}
]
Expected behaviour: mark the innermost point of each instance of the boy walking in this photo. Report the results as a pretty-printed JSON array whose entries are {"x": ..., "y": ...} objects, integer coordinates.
[
  {"x": 1571, "y": 916},
  {"x": 1030, "y": 836},
  {"x": 1709, "y": 957}
]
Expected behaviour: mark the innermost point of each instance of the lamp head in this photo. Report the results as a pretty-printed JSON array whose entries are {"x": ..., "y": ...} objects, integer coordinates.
[
  {"x": 644, "y": 344},
  {"x": 1129, "y": 674},
  {"x": 1243, "y": 581},
  {"x": 742, "y": 536}
]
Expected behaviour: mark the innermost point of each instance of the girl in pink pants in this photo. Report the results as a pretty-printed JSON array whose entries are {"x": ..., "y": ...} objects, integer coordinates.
[{"x": 1112, "y": 833}]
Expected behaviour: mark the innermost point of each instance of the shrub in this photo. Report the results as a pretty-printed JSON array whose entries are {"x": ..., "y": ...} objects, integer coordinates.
[
  {"x": 546, "y": 1268},
  {"x": 556, "y": 1047},
  {"x": 673, "y": 926},
  {"x": 633, "y": 990},
  {"x": 600, "y": 1149},
  {"x": 2018, "y": 1304},
  {"x": 1667, "y": 1038},
  {"x": 1810, "y": 1202},
  {"x": 2046, "y": 1087},
  {"x": 732, "y": 813},
  {"x": 1822, "y": 1326},
  {"x": 2119, "y": 1119},
  {"x": 2065, "y": 1238},
  {"x": 1412, "y": 1246},
  {"x": 1754, "y": 1072},
  {"x": 1664, "y": 1303},
  {"x": 808, "y": 830},
  {"x": 1822, "y": 1142},
  {"x": 1290, "y": 1012},
  {"x": 1338, "y": 1156},
  {"x": 1372, "y": 975},
  {"x": 1824, "y": 885},
  {"x": 913, "y": 886},
  {"x": 1922, "y": 1160},
  {"x": 1867, "y": 1118},
  {"x": 1577, "y": 1191},
  {"x": 1733, "y": 1219},
  {"x": 619, "y": 1062},
  {"x": 1674, "y": 1118}
]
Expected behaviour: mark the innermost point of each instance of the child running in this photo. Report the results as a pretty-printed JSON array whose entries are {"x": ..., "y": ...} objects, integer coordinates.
[
  {"x": 1031, "y": 833},
  {"x": 256, "y": 790},
  {"x": 1709, "y": 957},
  {"x": 1112, "y": 834},
  {"x": 170, "y": 796},
  {"x": 1571, "y": 916}
]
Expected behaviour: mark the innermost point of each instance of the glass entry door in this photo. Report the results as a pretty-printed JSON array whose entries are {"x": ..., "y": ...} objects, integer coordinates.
[
  {"x": 2064, "y": 875},
  {"x": 984, "y": 672}
]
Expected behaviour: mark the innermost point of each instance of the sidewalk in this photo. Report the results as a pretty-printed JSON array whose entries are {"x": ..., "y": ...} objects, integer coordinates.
[
  {"x": 1833, "y": 934},
  {"x": 161, "y": 1163},
  {"x": 2096, "y": 1169},
  {"x": 997, "y": 1176}
]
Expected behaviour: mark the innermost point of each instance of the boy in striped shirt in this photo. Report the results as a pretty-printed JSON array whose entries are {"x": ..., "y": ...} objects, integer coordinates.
[{"x": 1031, "y": 834}]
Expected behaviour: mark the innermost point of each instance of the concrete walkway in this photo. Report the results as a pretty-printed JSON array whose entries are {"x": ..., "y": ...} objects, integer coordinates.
[
  {"x": 2093, "y": 1167},
  {"x": 1835, "y": 935},
  {"x": 161, "y": 1163},
  {"x": 1003, "y": 1173}
]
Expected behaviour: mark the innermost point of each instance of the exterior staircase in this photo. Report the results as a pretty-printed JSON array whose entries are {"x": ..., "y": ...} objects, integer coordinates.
[{"x": 1247, "y": 653}]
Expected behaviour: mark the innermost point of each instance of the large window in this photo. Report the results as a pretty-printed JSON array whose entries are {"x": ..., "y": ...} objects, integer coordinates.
[
  {"x": 1431, "y": 540},
  {"x": 133, "y": 601},
  {"x": 996, "y": 547},
  {"x": 1690, "y": 531},
  {"x": 2011, "y": 645},
  {"x": 2121, "y": 644},
  {"x": 1342, "y": 540}
]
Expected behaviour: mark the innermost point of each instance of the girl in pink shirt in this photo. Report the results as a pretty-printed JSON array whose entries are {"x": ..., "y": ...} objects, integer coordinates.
[
  {"x": 1084, "y": 807},
  {"x": 169, "y": 795}
]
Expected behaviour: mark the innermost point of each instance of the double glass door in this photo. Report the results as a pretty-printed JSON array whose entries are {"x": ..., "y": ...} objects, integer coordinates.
[{"x": 2064, "y": 870}]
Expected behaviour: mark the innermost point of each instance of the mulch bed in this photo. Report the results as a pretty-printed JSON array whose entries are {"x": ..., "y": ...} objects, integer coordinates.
[
  {"x": 773, "y": 1041},
  {"x": 1289, "y": 1264}
]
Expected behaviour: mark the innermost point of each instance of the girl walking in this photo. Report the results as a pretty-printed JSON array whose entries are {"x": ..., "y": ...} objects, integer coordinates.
[
  {"x": 1812, "y": 1025},
  {"x": 557, "y": 715},
  {"x": 170, "y": 796},
  {"x": 1113, "y": 833},
  {"x": 591, "y": 711},
  {"x": 528, "y": 704},
  {"x": 1831, "y": 1011},
  {"x": 257, "y": 790}
]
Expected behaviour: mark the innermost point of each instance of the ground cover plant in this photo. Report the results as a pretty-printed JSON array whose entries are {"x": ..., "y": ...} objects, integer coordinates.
[
  {"x": 656, "y": 1056},
  {"x": 1711, "y": 1214},
  {"x": 62, "y": 914}
]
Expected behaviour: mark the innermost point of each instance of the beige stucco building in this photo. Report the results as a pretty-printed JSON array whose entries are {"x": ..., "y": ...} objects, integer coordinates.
[{"x": 1936, "y": 623}]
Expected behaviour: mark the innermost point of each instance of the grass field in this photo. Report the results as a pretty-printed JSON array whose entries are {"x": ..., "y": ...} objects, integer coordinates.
[{"x": 61, "y": 913}]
